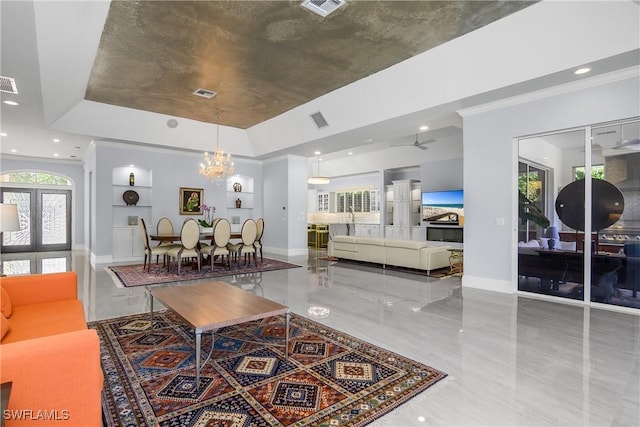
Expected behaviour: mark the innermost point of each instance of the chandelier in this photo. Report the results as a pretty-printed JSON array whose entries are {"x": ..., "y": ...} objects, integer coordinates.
[
  {"x": 218, "y": 165},
  {"x": 318, "y": 179}
]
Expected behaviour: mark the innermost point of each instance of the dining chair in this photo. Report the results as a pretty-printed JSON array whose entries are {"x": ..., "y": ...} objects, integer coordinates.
[
  {"x": 246, "y": 247},
  {"x": 150, "y": 251},
  {"x": 189, "y": 243},
  {"x": 206, "y": 240},
  {"x": 164, "y": 226},
  {"x": 219, "y": 242},
  {"x": 259, "y": 232}
]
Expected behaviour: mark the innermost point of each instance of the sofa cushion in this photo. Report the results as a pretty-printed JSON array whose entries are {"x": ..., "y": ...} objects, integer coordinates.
[
  {"x": 530, "y": 244},
  {"x": 40, "y": 320},
  {"x": 6, "y": 304},
  {"x": 407, "y": 244},
  {"x": 370, "y": 241},
  {"x": 4, "y": 325},
  {"x": 344, "y": 239}
]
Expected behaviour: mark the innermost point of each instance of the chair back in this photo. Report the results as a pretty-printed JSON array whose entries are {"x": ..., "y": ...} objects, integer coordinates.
[
  {"x": 145, "y": 235},
  {"x": 164, "y": 226},
  {"x": 221, "y": 233},
  {"x": 190, "y": 234},
  {"x": 260, "y": 229},
  {"x": 248, "y": 232}
]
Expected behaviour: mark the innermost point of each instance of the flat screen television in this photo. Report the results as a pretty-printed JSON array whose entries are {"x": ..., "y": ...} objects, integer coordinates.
[{"x": 443, "y": 207}]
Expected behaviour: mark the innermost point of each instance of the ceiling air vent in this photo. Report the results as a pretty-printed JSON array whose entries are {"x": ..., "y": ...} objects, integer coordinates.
[
  {"x": 322, "y": 7},
  {"x": 8, "y": 84},
  {"x": 205, "y": 93},
  {"x": 319, "y": 120}
]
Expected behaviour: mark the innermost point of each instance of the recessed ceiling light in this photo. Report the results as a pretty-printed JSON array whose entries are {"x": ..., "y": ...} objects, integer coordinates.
[
  {"x": 317, "y": 153},
  {"x": 11, "y": 103},
  {"x": 582, "y": 70},
  {"x": 3, "y": 134},
  {"x": 424, "y": 127},
  {"x": 13, "y": 150},
  {"x": 56, "y": 140},
  {"x": 350, "y": 153},
  {"x": 55, "y": 154}
]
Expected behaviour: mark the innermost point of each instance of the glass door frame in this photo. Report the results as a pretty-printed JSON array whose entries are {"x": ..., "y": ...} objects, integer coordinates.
[
  {"x": 35, "y": 219},
  {"x": 550, "y": 205}
]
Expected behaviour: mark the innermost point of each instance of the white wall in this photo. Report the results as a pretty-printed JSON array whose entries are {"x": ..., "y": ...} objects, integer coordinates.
[
  {"x": 285, "y": 207},
  {"x": 490, "y": 153},
  {"x": 171, "y": 170}
]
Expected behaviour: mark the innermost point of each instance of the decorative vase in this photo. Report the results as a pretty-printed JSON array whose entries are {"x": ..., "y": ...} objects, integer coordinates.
[
  {"x": 238, "y": 203},
  {"x": 132, "y": 179},
  {"x": 237, "y": 187}
]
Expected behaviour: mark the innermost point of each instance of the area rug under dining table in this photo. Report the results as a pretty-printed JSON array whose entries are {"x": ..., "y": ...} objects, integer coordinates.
[
  {"x": 135, "y": 275},
  {"x": 328, "y": 379}
]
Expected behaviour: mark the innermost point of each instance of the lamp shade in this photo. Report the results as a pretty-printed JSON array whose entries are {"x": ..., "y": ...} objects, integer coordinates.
[
  {"x": 553, "y": 233},
  {"x": 9, "y": 217}
]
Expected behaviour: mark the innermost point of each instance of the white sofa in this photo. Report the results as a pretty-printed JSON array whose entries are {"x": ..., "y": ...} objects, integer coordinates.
[{"x": 402, "y": 253}]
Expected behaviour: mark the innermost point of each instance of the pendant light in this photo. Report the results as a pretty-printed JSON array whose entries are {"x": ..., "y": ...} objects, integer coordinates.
[{"x": 318, "y": 179}]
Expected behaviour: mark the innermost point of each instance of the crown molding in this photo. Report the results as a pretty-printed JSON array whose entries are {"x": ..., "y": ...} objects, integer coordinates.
[{"x": 615, "y": 76}]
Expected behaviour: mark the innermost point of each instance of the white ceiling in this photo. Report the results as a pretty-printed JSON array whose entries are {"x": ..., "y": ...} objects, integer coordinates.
[{"x": 49, "y": 48}]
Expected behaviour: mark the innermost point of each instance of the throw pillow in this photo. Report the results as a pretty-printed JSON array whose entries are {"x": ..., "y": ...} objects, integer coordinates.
[
  {"x": 4, "y": 325},
  {"x": 5, "y": 304},
  {"x": 568, "y": 246},
  {"x": 529, "y": 244},
  {"x": 544, "y": 242}
]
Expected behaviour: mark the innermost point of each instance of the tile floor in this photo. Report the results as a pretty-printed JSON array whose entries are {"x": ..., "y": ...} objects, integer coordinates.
[{"x": 511, "y": 360}]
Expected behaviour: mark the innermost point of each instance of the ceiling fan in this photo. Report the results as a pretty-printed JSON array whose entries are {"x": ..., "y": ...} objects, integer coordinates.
[
  {"x": 629, "y": 144},
  {"x": 416, "y": 144}
]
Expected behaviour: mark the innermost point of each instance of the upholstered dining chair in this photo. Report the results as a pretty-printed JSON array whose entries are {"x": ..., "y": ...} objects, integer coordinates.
[
  {"x": 259, "y": 233},
  {"x": 150, "y": 251},
  {"x": 213, "y": 227},
  {"x": 219, "y": 242},
  {"x": 189, "y": 243},
  {"x": 164, "y": 226},
  {"x": 246, "y": 247}
]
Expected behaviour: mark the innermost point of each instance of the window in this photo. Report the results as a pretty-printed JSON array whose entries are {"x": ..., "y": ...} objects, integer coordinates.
[
  {"x": 597, "y": 172},
  {"x": 40, "y": 178}
]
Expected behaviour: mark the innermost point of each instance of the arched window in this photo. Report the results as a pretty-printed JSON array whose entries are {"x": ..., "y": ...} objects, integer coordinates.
[{"x": 37, "y": 178}]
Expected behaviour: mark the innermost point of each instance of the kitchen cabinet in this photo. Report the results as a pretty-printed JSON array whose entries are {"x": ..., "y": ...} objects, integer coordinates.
[{"x": 324, "y": 202}]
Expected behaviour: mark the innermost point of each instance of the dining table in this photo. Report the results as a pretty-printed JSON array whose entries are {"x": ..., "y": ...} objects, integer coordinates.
[
  {"x": 176, "y": 237},
  {"x": 173, "y": 237}
]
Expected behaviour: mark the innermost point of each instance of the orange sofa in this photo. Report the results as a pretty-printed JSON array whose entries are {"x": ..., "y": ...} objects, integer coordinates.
[{"x": 48, "y": 353}]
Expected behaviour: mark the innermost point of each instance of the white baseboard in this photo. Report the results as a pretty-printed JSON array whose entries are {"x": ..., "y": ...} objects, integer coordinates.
[
  {"x": 487, "y": 284},
  {"x": 286, "y": 252}
]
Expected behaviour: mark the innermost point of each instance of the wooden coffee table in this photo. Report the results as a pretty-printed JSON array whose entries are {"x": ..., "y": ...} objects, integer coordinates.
[{"x": 210, "y": 306}]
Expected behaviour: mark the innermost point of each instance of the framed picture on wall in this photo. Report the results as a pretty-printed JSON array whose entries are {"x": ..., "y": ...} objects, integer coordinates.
[{"x": 190, "y": 200}]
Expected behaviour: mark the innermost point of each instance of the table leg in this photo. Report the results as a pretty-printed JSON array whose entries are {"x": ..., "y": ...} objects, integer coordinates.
[
  {"x": 198, "y": 339},
  {"x": 151, "y": 296},
  {"x": 286, "y": 337}
]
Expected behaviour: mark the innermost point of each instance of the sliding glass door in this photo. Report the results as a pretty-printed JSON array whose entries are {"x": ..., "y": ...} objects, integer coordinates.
[{"x": 579, "y": 214}]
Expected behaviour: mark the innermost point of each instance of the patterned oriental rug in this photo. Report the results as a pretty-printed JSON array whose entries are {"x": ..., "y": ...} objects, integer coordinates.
[
  {"x": 329, "y": 379},
  {"x": 133, "y": 275}
]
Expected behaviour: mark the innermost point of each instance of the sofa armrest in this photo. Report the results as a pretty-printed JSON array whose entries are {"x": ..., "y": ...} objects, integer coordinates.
[
  {"x": 60, "y": 373},
  {"x": 41, "y": 288},
  {"x": 437, "y": 257}
]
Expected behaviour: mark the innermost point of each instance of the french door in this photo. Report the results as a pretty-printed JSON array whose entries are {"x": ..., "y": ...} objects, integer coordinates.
[{"x": 45, "y": 220}]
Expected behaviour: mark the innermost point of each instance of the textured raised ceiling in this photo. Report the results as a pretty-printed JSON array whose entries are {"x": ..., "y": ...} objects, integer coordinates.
[{"x": 262, "y": 57}]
